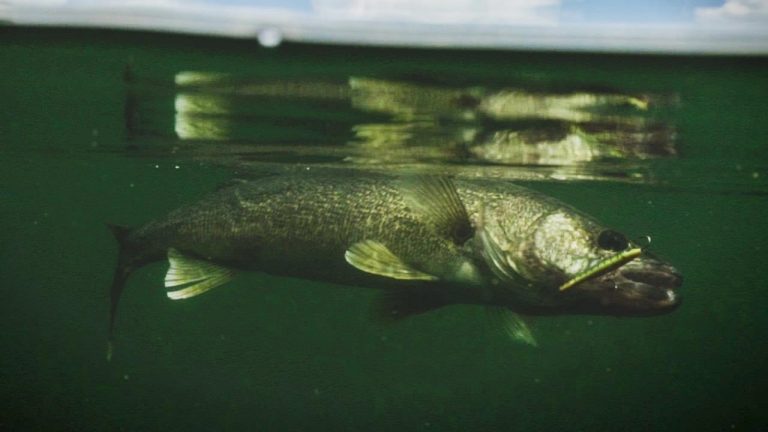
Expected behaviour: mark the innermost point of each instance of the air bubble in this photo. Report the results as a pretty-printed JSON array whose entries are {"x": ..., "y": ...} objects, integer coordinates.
[{"x": 270, "y": 37}]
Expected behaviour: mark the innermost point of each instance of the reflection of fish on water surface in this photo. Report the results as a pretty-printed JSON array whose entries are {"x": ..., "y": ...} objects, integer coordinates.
[
  {"x": 563, "y": 145},
  {"x": 547, "y": 128},
  {"x": 424, "y": 241},
  {"x": 406, "y": 101},
  {"x": 597, "y": 135}
]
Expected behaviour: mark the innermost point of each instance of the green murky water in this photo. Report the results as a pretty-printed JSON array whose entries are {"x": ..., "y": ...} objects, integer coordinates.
[{"x": 109, "y": 127}]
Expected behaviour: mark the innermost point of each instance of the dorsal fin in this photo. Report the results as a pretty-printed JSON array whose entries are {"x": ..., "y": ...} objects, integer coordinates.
[{"x": 435, "y": 200}]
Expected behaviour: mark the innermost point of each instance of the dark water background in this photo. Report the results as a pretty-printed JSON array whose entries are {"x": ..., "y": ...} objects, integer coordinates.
[{"x": 87, "y": 137}]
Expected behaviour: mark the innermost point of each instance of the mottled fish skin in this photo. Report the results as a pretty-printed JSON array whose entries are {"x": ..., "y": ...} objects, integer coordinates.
[
  {"x": 519, "y": 248},
  {"x": 298, "y": 226}
]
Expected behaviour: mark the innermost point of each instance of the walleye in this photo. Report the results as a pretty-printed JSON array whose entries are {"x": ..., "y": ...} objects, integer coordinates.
[{"x": 426, "y": 241}]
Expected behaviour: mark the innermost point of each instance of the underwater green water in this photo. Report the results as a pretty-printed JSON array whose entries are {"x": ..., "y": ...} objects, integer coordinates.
[{"x": 269, "y": 353}]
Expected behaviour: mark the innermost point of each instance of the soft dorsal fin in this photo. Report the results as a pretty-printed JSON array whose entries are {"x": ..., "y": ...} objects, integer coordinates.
[
  {"x": 194, "y": 276},
  {"x": 513, "y": 325},
  {"x": 373, "y": 257},
  {"x": 434, "y": 199}
]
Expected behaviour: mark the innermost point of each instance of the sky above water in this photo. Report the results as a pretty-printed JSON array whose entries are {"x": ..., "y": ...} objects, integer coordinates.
[{"x": 502, "y": 11}]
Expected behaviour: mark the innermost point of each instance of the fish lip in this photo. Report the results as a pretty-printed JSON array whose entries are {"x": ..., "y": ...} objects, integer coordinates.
[
  {"x": 645, "y": 287},
  {"x": 657, "y": 276},
  {"x": 674, "y": 301}
]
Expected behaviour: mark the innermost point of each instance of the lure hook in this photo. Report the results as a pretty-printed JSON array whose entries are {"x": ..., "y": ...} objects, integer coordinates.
[{"x": 644, "y": 242}]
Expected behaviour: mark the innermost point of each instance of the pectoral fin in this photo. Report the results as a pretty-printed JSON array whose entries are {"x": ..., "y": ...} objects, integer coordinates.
[
  {"x": 435, "y": 200},
  {"x": 514, "y": 326},
  {"x": 503, "y": 268},
  {"x": 373, "y": 257},
  {"x": 193, "y": 275}
]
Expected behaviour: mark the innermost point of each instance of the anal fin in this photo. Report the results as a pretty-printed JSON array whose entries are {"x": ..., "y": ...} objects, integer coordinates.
[
  {"x": 193, "y": 276},
  {"x": 513, "y": 326}
]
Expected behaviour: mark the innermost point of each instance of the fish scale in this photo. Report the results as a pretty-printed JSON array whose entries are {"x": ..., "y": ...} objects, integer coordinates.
[{"x": 428, "y": 241}]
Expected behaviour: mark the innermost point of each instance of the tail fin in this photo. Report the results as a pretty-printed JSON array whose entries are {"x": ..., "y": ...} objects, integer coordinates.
[{"x": 123, "y": 269}]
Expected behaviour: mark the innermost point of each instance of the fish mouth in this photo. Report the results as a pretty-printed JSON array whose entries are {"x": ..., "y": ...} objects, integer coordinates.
[{"x": 643, "y": 287}]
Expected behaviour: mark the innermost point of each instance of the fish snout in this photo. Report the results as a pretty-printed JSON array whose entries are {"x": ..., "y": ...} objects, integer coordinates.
[
  {"x": 659, "y": 275},
  {"x": 646, "y": 287}
]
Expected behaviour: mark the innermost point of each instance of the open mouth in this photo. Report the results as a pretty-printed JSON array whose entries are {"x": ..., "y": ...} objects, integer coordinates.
[
  {"x": 648, "y": 286},
  {"x": 640, "y": 283}
]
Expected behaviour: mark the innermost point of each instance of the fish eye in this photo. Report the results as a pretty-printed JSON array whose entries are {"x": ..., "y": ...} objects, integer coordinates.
[{"x": 612, "y": 240}]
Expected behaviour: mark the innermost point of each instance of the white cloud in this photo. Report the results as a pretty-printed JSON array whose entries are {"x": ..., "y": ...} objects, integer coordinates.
[
  {"x": 35, "y": 2},
  {"x": 735, "y": 11},
  {"x": 102, "y": 3},
  {"x": 444, "y": 11}
]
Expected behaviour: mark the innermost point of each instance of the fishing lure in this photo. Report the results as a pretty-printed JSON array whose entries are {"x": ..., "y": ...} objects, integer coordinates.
[{"x": 603, "y": 267}]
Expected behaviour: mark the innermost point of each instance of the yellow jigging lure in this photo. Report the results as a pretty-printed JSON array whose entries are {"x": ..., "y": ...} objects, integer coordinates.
[{"x": 603, "y": 267}]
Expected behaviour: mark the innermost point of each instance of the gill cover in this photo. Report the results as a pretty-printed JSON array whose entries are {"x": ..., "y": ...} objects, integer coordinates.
[{"x": 496, "y": 258}]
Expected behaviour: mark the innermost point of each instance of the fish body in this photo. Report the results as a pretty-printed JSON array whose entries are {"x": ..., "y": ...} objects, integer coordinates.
[{"x": 426, "y": 241}]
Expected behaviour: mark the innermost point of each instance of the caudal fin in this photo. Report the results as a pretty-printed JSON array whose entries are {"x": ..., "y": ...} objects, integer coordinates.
[{"x": 122, "y": 271}]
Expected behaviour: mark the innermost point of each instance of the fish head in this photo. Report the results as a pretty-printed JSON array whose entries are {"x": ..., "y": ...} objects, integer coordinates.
[
  {"x": 644, "y": 286},
  {"x": 568, "y": 263}
]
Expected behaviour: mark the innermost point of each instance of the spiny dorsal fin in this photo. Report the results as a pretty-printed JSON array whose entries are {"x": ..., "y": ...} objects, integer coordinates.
[
  {"x": 373, "y": 257},
  {"x": 513, "y": 325},
  {"x": 435, "y": 200},
  {"x": 193, "y": 275}
]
